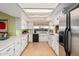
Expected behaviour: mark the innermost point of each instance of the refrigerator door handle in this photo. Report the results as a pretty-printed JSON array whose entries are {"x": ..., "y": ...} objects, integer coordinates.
[
  {"x": 66, "y": 41},
  {"x": 69, "y": 41}
]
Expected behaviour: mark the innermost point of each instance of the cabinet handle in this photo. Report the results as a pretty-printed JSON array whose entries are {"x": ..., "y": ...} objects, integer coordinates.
[
  {"x": 14, "y": 49},
  {"x": 9, "y": 55},
  {"x": 8, "y": 49},
  {"x": 14, "y": 52}
]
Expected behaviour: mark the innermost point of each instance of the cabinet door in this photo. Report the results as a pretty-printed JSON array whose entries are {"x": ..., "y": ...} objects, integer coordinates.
[
  {"x": 18, "y": 44},
  {"x": 56, "y": 44},
  {"x": 9, "y": 51},
  {"x": 18, "y": 23},
  {"x": 24, "y": 41},
  {"x": 30, "y": 25},
  {"x": 23, "y": 24}
]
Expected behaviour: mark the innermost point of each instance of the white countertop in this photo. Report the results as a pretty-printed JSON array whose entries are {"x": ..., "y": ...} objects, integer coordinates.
[{"x": 43, "y": 34}]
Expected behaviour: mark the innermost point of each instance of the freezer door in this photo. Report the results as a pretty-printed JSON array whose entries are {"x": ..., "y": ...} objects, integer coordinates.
[{"x": 75, "y": 31}]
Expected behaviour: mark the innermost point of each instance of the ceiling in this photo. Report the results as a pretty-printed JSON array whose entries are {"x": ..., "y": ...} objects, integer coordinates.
[
  {"x": 38, "y": 5},
  {"x": 38, "y": 12},
  {"x": 38, "y": 9},
  {"x": 11, "y": 9}
]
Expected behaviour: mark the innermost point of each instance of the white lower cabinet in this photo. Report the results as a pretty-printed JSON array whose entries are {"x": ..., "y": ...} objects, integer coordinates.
[
  {"x": 50, "y": 43},
  {"x": 24, "y": 42},
  {"x": 9, "y": 51},
  {"x": 16, "y": 48},
  {"x": 43, "y": 37},
  {"x": 51, "y": 40},
  {"x": 54, "y": 43},
  {"x": 18, "y": 45}
]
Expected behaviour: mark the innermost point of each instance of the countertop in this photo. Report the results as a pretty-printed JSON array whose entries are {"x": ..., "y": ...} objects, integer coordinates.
[{"x": 44, "y": 34}]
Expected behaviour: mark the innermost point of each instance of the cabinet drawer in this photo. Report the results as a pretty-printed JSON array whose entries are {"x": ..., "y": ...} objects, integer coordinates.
[{"x": 9, "y": 51}]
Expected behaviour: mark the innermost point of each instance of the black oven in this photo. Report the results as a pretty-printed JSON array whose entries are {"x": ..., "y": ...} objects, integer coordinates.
[{"x": 61, "y": 38}]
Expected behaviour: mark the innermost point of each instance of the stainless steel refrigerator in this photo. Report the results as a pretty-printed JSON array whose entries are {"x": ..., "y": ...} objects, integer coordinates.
[
  {"x": 74, "y": 21},
  {"x": 70, "y": 23}
]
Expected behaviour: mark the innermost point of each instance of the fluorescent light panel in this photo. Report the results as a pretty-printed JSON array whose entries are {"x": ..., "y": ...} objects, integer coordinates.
[
  {"x": 38, "y": 16},
  {"x": 37, "y": 27},
  {"x": 38, "y": 10}
]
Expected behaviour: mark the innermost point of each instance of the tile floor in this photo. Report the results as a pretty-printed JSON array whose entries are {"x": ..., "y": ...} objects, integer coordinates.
[{"x": 38, "y": 49}]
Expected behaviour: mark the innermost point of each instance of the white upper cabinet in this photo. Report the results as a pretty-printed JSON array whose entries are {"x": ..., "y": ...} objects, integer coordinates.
[
  {"x": 23, "y": 24},
  {"x": 18, "y": 23},
  {"x": 29, "y": 25},
  {"x": 24, "y": 19}
]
